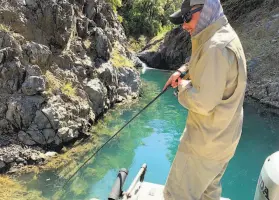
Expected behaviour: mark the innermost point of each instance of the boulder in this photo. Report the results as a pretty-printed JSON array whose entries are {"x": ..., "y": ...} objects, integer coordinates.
[
  {"x": 97, "y": 93},
  {"x": 67, "y": 134},
  {"x": 22, "y": 110},
  {"x": 33, "y": 85},
  {"x": 36, "y": 54},
  {"x": 11, "y": 76},
  {"x": 103, "y": 45},
  {"x": 108, "y": 74},
  {"x": 25, "y": 138},
  {"x": 129, "y": 77},
  {"x": 33, "y": 70}
]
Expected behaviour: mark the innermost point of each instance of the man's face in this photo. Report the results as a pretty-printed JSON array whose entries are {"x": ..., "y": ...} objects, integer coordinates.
[{"x": 191, "y": 26}]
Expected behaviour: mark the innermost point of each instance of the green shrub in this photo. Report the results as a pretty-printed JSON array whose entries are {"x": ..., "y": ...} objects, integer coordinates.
[
  {"x": 147, "y": 17},
  {"x": 137, "y": 45},
  {"x": 54, "y": 84},
  {"x": 115, "y": 4},
  {"x": 69, "y": 90},
  {"x": 3, "y": 27},
  {"x": 119, "y": 60}
]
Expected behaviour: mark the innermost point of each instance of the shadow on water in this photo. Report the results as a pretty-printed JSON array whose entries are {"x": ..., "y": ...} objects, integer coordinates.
[{"x": 153, "y": 139}]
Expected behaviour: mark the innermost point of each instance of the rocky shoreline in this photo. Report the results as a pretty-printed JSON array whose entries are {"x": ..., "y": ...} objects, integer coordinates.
[{"x": 59, "y": 74}]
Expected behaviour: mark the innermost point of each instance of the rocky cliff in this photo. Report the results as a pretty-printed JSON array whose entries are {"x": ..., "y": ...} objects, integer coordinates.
[
  {"x": 257, "y": 24},
  {"x": 61, "y": 67}
]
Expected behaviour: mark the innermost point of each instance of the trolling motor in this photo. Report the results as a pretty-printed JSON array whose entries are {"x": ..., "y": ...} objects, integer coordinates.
[
  {"x": 117, "y": 191},
  {"x": 268, "y": 183}
]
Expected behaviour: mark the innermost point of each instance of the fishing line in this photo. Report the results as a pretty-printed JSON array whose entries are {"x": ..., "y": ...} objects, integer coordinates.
[{"x": 114, "y": 136}]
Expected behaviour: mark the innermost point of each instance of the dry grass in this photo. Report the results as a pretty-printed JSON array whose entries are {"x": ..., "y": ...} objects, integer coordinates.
[
  {"x": 5, "y": 28},
  {"x": 54, "y": 84},
  {"x": 87, "y": 44},
  {"x": 118, "y": 60}
]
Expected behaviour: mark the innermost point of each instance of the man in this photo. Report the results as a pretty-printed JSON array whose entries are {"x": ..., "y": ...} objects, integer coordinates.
[{"x": 214, "y": 97}]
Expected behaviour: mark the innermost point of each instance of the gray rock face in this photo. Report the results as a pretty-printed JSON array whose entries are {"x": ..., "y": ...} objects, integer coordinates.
[
  {"x": 266, "y": 91},
  {"x": 67, "y": 134},
  {"x": 129, "y": 77},
  {"x": 8, "y": 41},
  {"x": 52, "y": 85},
  {"x": 108, "y": 74},
  {"x": 33, "y": 70},
  {"x": 97, "y": 93},
  {"x": 11, "y": 76},
  {"x": 21, "y": 110},
  {"x": 103, "y": 45},
  {"x": 36, "y": 54},
  {"x": 2, "y": 166},
  {"x": 173, "y": 51},
  {"x": 26, "y": 138},
  {"x": 15, "y": 155},
  {"x": 33, "y": 85}
]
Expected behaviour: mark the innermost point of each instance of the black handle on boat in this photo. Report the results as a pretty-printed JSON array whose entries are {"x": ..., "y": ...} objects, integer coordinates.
[{"x": 117, "y": 191}]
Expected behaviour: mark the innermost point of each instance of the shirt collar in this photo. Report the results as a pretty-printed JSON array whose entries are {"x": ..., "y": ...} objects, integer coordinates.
[{"x": 207, "y": 33}]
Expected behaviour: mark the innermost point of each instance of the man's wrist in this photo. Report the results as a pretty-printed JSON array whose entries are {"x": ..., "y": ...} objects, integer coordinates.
[{"x": 182, "y": 73}]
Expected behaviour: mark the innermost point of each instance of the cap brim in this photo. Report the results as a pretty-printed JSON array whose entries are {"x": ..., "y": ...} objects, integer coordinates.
[{"x": 176, "y": 18}]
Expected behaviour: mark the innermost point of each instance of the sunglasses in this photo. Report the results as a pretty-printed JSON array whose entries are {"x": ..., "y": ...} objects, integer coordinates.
[{"x": 187, "y": 17}]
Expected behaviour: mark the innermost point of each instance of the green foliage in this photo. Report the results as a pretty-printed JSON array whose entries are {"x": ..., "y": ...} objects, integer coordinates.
[
  {"x": 156, "y": 41},
  {"x": 119, "y": 60},
  {"x": 3, "y": 27},
  {"x": 147, "y": 17},
  {"x": 69, "y": 90},
  {"x": 120, "y": 18},
  {"x": 115, "y": 4},
  {"x": 137, "y": 45},
  {"x": 54, "y": 84}
]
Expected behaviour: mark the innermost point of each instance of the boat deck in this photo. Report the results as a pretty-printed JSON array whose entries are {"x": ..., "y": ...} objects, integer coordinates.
[{"x": 150, "y": 191}]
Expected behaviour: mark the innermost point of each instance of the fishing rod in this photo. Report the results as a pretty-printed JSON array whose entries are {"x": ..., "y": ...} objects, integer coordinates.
[
  {"x": 161, "y": 93},
  {"x": 115, "y": 135}
]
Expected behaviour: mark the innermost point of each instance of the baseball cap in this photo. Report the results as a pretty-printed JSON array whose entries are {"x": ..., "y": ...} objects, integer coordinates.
[{"x": 176, "y": 18}]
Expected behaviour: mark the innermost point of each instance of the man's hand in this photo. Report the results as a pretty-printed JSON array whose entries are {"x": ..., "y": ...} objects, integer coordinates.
[
  {"x": 173, "y": 80},
  {"x": 184, "y": 83}
]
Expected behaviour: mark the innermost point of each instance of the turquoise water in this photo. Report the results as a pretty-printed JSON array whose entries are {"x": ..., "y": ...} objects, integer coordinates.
[{"x": 153, "y": 139}]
